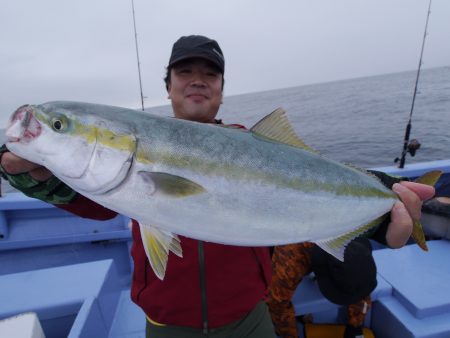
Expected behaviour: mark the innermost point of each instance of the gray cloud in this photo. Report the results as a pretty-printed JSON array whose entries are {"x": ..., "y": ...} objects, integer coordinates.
[{"x": 84, "y": 50}]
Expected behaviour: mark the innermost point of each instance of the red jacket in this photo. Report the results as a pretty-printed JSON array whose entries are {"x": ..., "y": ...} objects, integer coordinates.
[{"x": 236, "y": 278}]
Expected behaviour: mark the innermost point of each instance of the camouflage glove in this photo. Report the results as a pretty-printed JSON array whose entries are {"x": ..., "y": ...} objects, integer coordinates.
[{"x": 51, "y": 191}]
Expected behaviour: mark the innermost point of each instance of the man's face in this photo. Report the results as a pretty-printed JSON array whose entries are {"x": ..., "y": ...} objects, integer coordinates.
[{"x": 195, "y": 89}]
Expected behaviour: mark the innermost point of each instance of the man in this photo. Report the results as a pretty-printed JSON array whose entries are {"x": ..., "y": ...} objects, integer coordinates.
[{"x": 214, "y": 290}]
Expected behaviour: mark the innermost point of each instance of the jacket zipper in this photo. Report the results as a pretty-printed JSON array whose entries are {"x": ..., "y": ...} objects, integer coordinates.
[{"x": 201, "y": 262}]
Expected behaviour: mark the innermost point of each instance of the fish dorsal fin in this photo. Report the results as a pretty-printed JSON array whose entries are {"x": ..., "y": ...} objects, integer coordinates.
[
  {"x": 157, "y": 244},
  {"x": 336, "y": 246},
  {"x": 277, "y": 127}
]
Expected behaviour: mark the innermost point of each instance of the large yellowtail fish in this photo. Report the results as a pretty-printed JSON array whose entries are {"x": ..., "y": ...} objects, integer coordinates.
[{"x": 260, "y": 187}]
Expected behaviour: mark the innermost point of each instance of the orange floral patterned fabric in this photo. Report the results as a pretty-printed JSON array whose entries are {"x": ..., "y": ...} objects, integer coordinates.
[
  {"x": 357, "y": 312},
  {"x": 290, "y": 263}
]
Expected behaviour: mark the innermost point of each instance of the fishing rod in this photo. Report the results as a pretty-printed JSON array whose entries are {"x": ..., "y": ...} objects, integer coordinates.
[
  {"x": 137, "y": 56},
  {"x": 412, "y": 146}
]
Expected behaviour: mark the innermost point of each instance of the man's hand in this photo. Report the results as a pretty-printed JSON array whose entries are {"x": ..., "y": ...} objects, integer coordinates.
[
  {"x": 405, "y": 212},
  {"x": 14, "y": 164}
]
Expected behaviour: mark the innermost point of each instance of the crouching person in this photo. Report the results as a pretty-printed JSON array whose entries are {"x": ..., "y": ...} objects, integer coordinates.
[{"x": 347, "y": 283}]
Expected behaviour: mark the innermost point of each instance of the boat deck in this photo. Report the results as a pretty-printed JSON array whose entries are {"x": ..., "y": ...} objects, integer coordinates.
[
  {"x": 88, "y": 299},
  {"x": 75, "y": 274}
]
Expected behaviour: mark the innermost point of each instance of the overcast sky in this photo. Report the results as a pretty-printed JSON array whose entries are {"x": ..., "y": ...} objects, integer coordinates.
[{"x": 84, "y": 50}]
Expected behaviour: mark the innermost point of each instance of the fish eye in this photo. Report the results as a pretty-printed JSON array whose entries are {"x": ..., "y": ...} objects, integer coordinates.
[{"x": 58, "y": 124}]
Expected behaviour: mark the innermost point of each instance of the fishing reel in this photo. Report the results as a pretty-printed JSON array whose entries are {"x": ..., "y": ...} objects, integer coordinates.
[{"x": 411, "y": 148}]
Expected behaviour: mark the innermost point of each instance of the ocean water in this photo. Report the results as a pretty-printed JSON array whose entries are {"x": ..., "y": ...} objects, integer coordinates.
[{"x": 359, "y": 121}]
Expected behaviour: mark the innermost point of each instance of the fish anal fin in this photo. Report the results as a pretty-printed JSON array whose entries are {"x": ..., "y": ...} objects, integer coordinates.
[
  {"x": 157, "y": 245},
  {"x": 276, "y": 127},
  {"x": 171, "y": 185},
  {"x": 333, "y": 248},
  {"x": 336, "y": 246}
]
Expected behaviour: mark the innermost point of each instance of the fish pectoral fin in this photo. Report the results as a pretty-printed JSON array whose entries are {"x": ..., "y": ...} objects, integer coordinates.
[
  {"x": 171, "y": 185},
  {"x": 430, "y": 178},
  {"x": 157, "y": 245},
  {"x": 276, "y": 127},
  {"x": 336, "y": 246}
]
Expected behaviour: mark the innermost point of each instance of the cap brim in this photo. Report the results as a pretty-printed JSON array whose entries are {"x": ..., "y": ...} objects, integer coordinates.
[{"x": 196, "y": 56}]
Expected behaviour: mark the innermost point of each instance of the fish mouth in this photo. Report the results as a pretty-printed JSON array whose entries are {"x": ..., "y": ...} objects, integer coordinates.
[{"x": 23, "y": 126}]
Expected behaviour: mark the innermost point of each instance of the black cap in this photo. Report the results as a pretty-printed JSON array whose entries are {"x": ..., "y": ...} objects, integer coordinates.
[
  {"x": 346, "y": 282},
  {"x": 197, "y": 46}
]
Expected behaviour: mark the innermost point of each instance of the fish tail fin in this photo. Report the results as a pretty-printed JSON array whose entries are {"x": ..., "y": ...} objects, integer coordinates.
[
  {"x": 419, "y": 236},
  {"x": 430, "y": 178}
]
